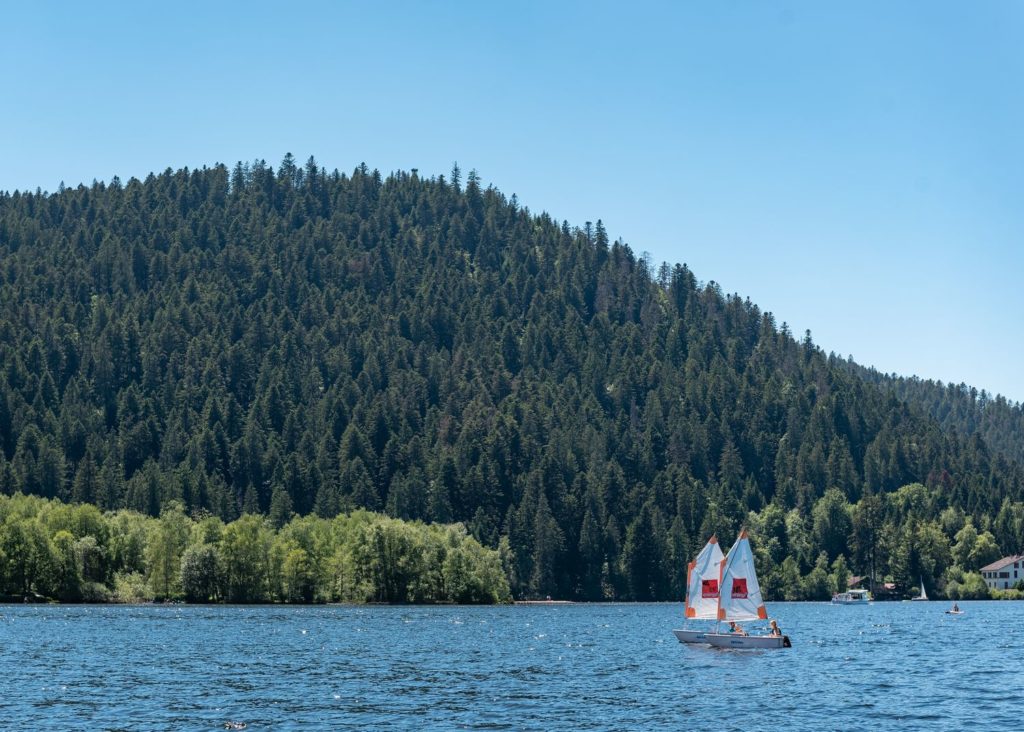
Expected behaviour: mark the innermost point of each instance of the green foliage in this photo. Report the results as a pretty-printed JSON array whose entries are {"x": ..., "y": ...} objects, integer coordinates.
[
  {"x": 959, "y": 408},
  {"x": 643, "y": 556},
  {"x": 297, "y": 580},
  {"x": 840, "y": 574},
  {"x": 967, "y": 586},
  {"x": 245, "y": 548},
  {"x": 67, "y": 579},
  {"x": 789, "y": 581},
  {"x": 386, "y": 560},
  {"x": 472, "y": 574},
  {"x": 985, "y": 551},
  {"x": 817, "y": 585},
  {"x": 131, "y": 587},
  {"x": 30, "y": 566},
  {"x": 201, "y": 573},
  {"x": 165, "y": 544},
  {"x": 831, "y": 522},
  {"x": 963, "y": 550},
  {"x": 131, "y": 557}
]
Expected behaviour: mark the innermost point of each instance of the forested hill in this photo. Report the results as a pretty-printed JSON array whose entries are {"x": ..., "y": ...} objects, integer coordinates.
[
  {"x": 259, "y": 340},
  {"x": 961, "y": 408}
]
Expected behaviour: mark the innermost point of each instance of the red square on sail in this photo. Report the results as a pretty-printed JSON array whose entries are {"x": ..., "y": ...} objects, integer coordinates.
[
  {"x": 709, "y": 588},
  {"x": 739, "y": 588}
]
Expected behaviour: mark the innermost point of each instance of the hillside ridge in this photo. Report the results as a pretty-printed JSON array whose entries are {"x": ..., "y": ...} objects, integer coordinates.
[{"x": 293, "y": 340}]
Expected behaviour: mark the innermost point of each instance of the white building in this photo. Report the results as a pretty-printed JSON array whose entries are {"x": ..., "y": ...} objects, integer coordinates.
[{"x": 1004, "y": 573}]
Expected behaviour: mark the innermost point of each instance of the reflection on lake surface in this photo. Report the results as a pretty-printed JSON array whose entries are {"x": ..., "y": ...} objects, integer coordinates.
[{"x": 900, "y": 666}]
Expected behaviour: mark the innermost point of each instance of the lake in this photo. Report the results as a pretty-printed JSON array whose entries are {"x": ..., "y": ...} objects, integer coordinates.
[{"x": 899, "y": 666}]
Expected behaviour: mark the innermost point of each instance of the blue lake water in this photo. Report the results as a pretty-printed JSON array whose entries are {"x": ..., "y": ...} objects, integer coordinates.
[{"x": 903, "y": 666}]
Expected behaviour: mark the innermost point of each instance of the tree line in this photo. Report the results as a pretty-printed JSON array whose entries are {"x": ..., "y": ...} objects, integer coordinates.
[
  {"x": 268, "y": 342},
  {"x": 75, "y": 553},
  {"x": 962, "y": 408}
]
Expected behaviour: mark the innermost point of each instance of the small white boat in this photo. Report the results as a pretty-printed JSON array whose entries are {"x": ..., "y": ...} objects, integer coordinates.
[
  {"x": 733, "y": 640},
  {"x": 852, "y": 597},
  {"x": 708, "y": 575},
  {"x": 923, "y": 597},
  {"x": 955, "y": 610}
]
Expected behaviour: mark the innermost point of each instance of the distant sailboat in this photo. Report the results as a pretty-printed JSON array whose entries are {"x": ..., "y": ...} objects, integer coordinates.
[
  {"x": 726, "y": 590},
  {"x": 923, "y": 596}
]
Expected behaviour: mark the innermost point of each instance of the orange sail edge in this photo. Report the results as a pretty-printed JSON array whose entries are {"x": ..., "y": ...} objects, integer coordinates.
[
  {"x": 690, "y": 612},
  {"x": 762, "y": 613}
]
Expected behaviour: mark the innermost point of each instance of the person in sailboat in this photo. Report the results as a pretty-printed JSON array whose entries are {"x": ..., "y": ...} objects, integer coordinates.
[
  {"x": 774, "y": 628},
  {"x": 733, "y": 628}
]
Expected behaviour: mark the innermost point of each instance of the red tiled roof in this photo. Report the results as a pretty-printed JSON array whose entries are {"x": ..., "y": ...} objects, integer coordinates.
[{"x": 1000, "y": 563}]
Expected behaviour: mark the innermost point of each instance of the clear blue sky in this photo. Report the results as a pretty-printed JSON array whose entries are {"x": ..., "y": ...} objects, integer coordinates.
[{"x": 857, "y": 169}]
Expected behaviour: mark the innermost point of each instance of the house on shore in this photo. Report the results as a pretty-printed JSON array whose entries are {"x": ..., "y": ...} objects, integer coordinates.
[
  {"x": 1004, "y": 573},
  {"x": 879, "y": 590}
]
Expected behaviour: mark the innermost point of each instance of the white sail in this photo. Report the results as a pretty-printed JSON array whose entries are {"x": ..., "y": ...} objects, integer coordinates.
[
  {"x": 924, "y": 595},
  {"x": 739, "y": 597},
  {"x": 702, "y": 579}
]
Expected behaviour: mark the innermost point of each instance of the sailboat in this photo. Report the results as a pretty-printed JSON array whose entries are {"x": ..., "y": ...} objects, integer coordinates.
[
  {"x": 923, "y": 596},
  {"x": 725, "y": 589}
]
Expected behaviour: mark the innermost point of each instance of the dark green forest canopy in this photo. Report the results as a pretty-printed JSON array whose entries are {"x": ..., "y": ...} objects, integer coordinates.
[
  {"x": 276, "y": 341},
  {"x": 960, "y": 408}
]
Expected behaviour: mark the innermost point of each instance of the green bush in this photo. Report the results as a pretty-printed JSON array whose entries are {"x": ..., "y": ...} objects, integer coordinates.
[{"x": 131, "y": 587}]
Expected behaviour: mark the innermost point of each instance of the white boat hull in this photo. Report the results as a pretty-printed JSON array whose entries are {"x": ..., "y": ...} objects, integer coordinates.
[
  {"x": 690, "y": 636},
  {"x": 852, "y": 597},
  {"x": 732, "y": 640}
]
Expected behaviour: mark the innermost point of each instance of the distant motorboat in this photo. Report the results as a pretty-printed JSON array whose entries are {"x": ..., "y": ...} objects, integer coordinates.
[
  {"x": 955, "y": 610},
  {"x": 852, "y": 597}
]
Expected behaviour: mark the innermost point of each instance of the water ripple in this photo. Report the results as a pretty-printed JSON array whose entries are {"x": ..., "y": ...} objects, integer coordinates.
[{"x": 590, "y": 667}]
